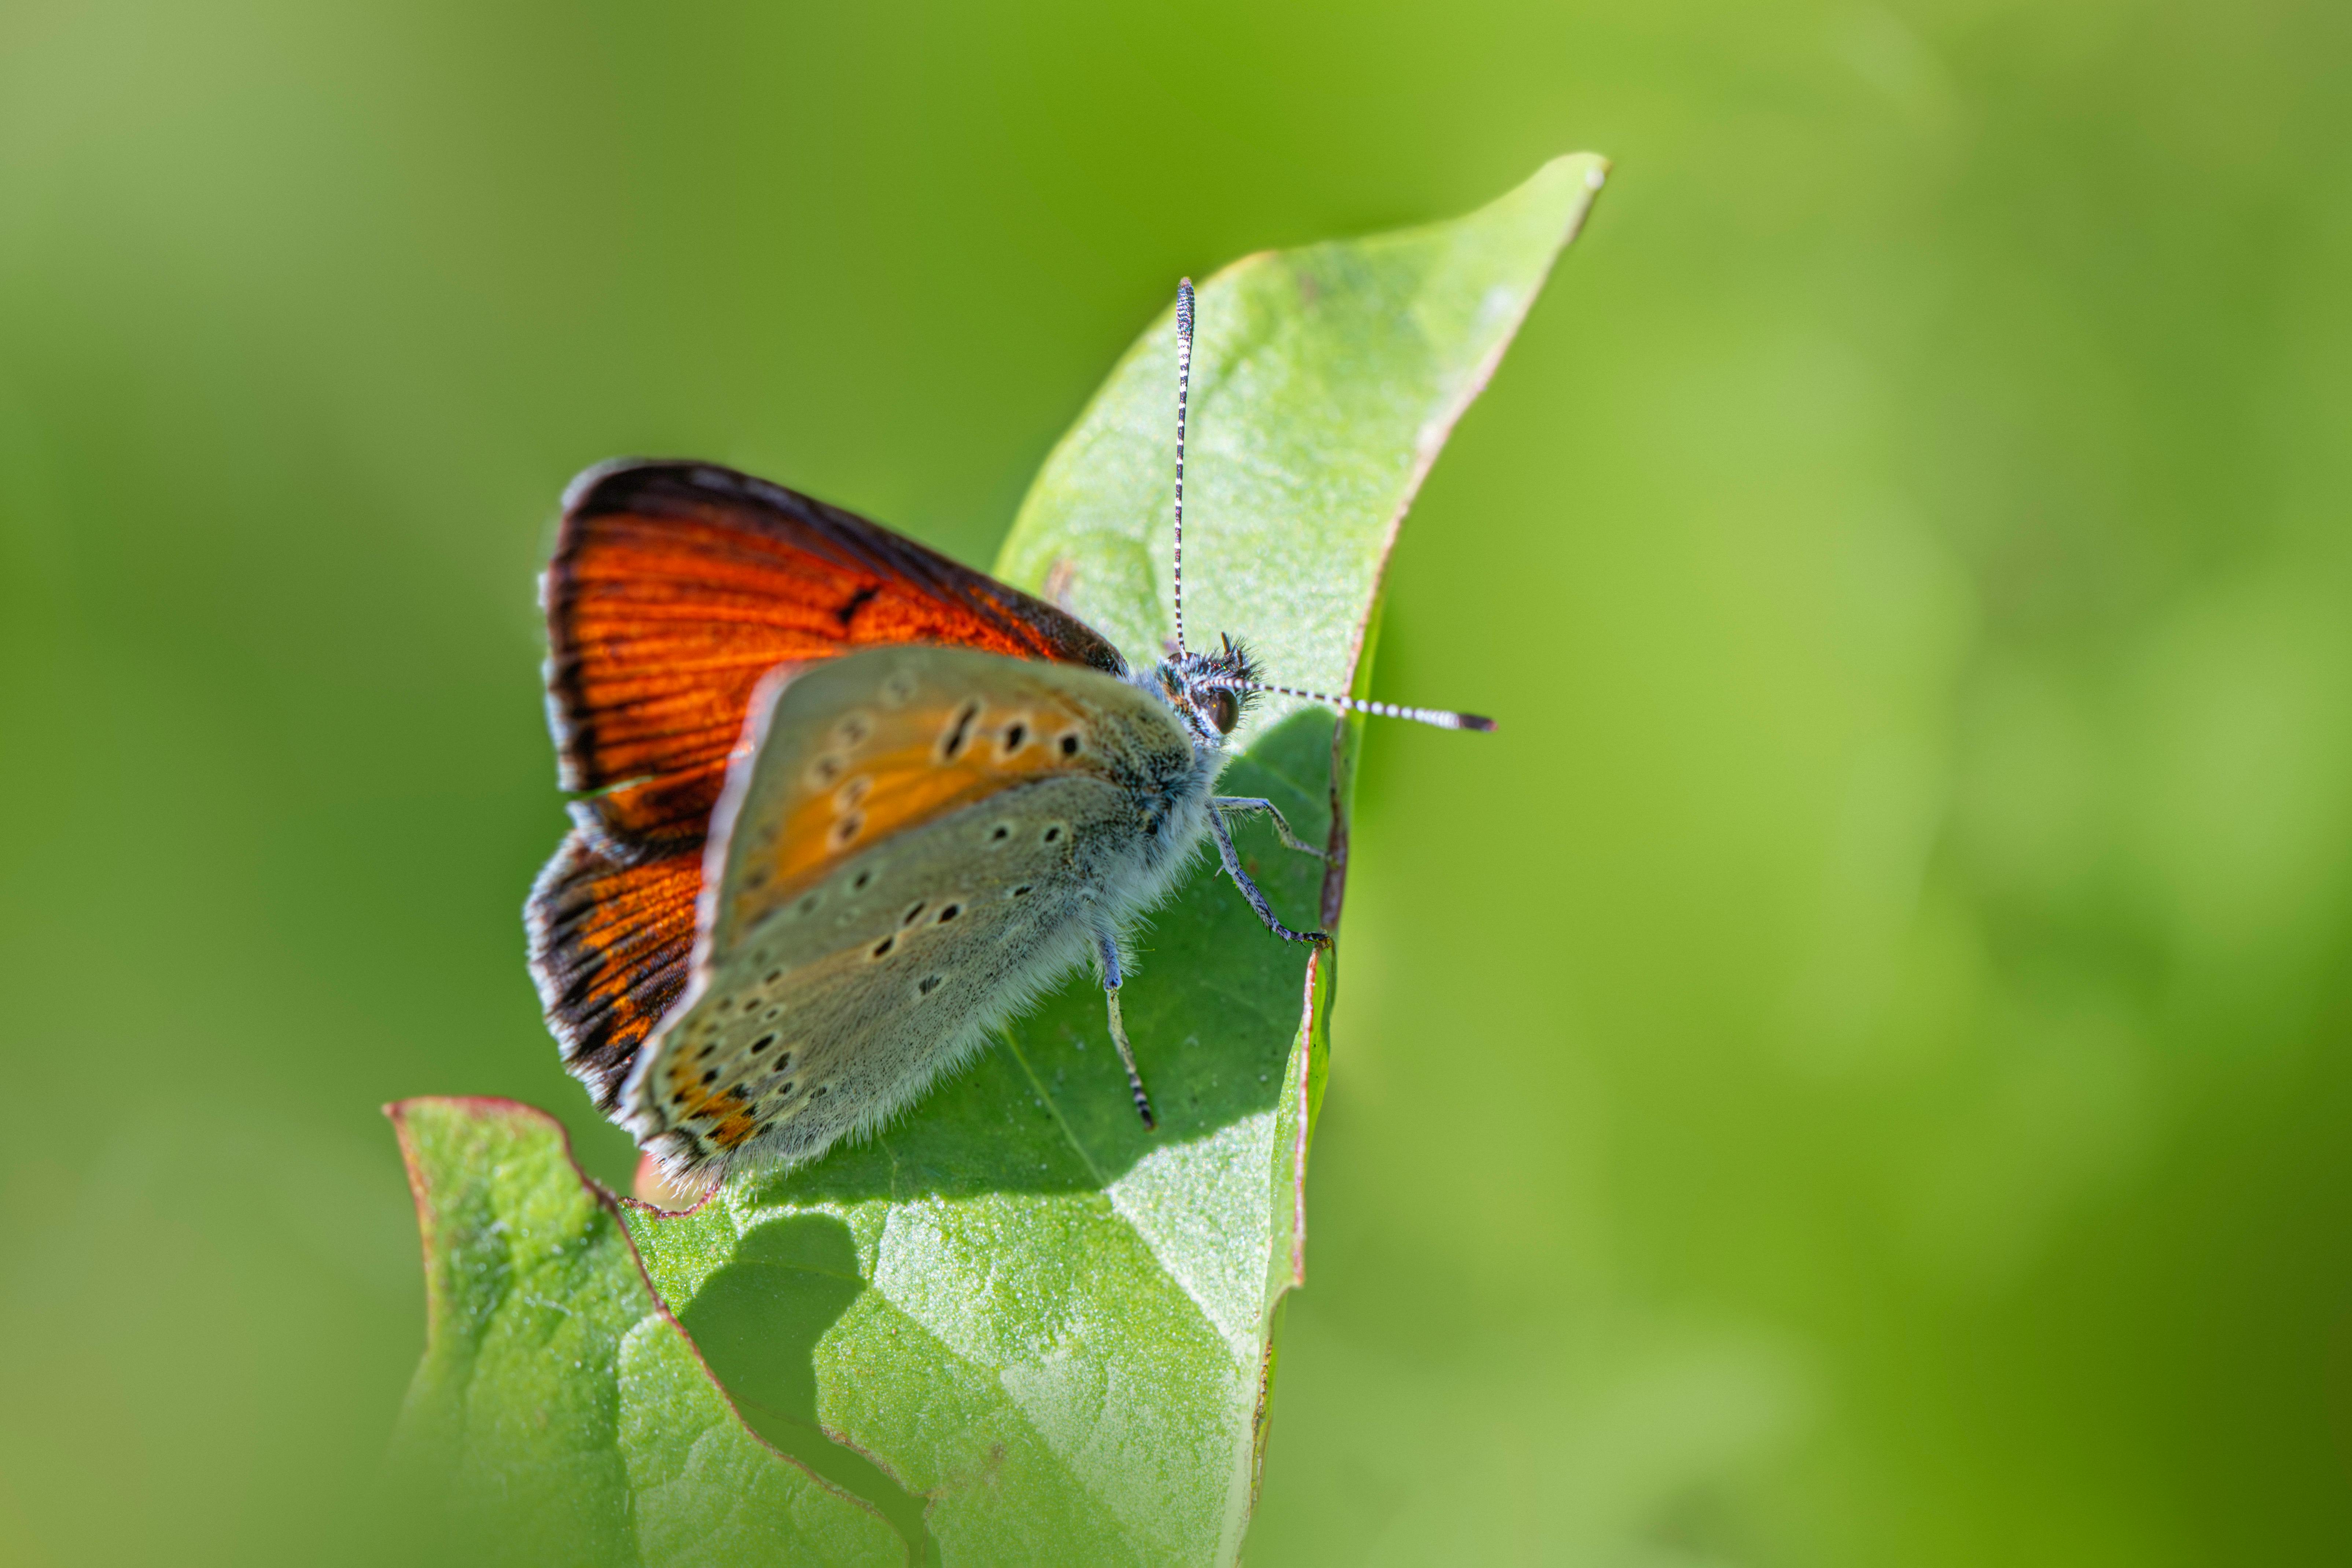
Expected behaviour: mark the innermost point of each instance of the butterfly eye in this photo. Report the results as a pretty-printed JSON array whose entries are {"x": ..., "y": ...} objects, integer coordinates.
[{"x": 1224, "y": 711}]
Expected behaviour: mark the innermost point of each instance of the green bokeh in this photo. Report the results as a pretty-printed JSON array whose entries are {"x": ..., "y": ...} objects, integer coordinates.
[{"x": 1856, "y": 1072}]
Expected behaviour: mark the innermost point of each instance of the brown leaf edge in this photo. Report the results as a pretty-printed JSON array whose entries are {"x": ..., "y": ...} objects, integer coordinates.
[{"x": 494, "y": 1107}]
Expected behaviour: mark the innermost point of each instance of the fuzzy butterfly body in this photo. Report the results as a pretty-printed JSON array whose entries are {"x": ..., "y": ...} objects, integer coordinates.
[{"x": 843, "y": 806}]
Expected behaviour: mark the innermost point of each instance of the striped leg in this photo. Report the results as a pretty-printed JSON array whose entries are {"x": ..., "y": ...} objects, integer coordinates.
[
  {"x": 1107, "y": 950},
  {"x": 1249, "y": 889}
]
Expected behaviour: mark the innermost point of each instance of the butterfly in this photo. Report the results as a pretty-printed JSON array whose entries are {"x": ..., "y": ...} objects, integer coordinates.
[{"x": 844, "y": 806}]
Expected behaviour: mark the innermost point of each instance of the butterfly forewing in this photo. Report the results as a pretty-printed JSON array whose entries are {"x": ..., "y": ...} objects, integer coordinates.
[
  {"x": 675, "y": 587},
  {"x": 905, "y": 854}
]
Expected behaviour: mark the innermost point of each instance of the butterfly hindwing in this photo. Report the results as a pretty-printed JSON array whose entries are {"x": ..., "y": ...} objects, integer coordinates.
[
  {"x": 609, "y": 942},
  {"x": 984, "y": 801}
]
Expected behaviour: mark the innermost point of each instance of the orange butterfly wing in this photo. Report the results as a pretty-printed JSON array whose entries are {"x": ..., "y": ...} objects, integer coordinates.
[
  {"x": 673, "y": 588},
  {"x": 676, "y": 586}
]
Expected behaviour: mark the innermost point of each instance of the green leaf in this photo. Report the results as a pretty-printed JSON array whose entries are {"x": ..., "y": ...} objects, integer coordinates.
[
  {"x": 1019, "y": 1325},
  {"x": 560, "y": 1415}
]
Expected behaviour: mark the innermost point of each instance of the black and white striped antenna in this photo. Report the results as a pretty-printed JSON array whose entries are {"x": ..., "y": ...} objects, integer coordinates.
[
  {"x": 1444, "y": 718},
  {"x": 1183, "y": 389}
]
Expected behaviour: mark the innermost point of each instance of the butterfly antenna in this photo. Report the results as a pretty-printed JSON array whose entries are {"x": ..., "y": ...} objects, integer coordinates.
[
  {"x": 1444, "y": 718},
  {"x": 1183, "y": 389}
]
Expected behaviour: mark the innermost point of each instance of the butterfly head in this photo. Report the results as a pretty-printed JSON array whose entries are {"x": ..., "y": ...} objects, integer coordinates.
[{"x": 1211, "y": 690}]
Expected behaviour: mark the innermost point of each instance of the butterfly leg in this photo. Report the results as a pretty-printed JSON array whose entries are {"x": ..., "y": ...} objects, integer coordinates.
[
  {"x": 1249, "y": 889},
  {"x": 1251, "y": 803},
  {"x": 1108, "y": 949}
]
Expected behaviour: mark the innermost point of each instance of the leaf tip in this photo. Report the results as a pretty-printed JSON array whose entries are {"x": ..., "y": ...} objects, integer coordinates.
[{"x": 1574, "y": 181}]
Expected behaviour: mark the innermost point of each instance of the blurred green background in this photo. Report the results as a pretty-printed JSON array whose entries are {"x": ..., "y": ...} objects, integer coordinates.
[{"x": 1856, "y": 1072}]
